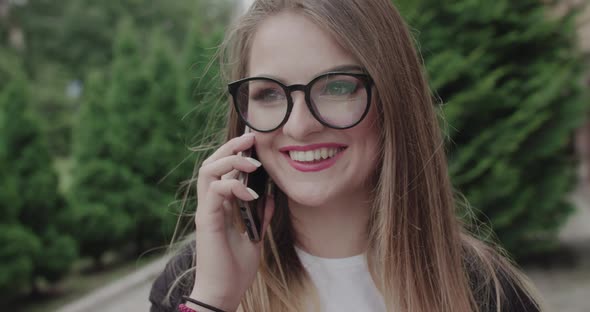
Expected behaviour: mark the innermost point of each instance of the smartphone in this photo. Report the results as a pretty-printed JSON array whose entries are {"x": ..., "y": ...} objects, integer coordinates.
[{"x": 252, "y": 212}]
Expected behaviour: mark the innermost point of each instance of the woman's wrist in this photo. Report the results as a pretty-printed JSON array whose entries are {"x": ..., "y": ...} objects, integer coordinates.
[
  {"x": 220, "y": 302},
  {"x": 200, "y": 308}
]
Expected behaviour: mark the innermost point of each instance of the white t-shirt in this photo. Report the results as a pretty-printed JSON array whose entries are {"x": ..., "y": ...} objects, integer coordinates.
[{"x": 344, "y": 284}]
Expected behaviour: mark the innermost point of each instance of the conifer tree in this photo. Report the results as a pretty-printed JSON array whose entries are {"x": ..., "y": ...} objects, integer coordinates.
[
  {"x": 34, "y": 214},
  {"x": 202, "y": 96},
  {"x": 166, "y": 160},
  {"x": 19, "y": 246},
  {"x": 509, "y": 76},
  {"x": 202, "y": 99},
  {"x": 132, "y": 141},
  {"x": 128, "y": 148},
  {"x": 106, "y": 189}
]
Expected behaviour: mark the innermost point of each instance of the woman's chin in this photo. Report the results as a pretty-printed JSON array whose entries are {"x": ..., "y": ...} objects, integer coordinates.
[
  {"x": 308, "y": 193},
  {"x": 308, "y": 199}
]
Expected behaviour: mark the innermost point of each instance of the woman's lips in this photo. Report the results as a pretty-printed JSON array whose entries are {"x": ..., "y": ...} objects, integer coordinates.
[
  {"x": 317, "y": 164},
  {"x": 309, "y": 147}
]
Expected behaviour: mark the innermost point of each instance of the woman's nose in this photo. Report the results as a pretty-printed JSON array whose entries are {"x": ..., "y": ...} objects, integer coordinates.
[{"x": 301, "y": 122}]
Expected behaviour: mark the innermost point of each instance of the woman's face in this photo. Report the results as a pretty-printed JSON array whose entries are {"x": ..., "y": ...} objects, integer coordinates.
[{"x": 292, "y": 49}]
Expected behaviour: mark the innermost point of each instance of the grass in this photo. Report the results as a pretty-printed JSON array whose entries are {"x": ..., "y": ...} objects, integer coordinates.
[{"x": 80, "y": 283}]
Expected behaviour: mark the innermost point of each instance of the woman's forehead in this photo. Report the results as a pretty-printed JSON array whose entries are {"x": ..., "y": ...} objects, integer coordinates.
[{"x": 290, "y": 46}]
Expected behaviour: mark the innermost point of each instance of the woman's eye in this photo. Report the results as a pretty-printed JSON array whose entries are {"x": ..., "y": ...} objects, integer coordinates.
[
  {"x": 340, "y": 87},
  {"x": 268, "y": 95}
]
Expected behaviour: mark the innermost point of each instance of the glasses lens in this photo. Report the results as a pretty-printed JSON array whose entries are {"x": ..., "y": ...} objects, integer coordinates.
[
  {"x": 340, "y": 100},
  {"x": 262, "y": 103}
]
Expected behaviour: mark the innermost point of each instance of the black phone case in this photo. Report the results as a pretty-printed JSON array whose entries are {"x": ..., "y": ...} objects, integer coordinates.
[{"x": 252, "y": 212}]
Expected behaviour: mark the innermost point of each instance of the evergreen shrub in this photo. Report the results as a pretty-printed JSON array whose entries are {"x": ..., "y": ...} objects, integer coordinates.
[{"x": 508, "y": 78}]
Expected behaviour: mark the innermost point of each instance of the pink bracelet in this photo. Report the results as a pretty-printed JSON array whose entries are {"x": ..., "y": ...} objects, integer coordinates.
[{"x": 183, "y": 308}]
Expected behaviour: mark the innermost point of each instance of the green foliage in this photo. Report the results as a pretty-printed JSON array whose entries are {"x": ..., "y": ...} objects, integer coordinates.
[
  {"x": 65, "y": 40},
  {"x": 200, "y": 83},
  {"x": 132, "y": 127},
  {"x": 78, "y": 33},
  {"x": 510, "y": 79},
  {"x": 19, "y": 249},
  {"x": 88, "y": 127},
  {"x": 32, "y": 231},
  {"x": 101, "y": 195},
  {"x": 105, "y": 188},
  {"x": 58, "y": 254},
  {"x": 131, "y": 146},
  {"x": 10, "y": 67}
]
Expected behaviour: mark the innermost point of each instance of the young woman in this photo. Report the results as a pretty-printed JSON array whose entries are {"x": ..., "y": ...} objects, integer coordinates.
[{"x": 362, "y": 217}]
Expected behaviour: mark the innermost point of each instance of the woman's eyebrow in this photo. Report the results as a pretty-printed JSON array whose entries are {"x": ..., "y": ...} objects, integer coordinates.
[
  {"x": 339, "y": 68},
  {"x": 342, "y": 68}
]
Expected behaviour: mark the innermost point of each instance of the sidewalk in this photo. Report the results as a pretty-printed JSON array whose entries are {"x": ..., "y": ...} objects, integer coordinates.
[
  {"x": 127, "y": 294},
  {"x": 567, "y": 289}
]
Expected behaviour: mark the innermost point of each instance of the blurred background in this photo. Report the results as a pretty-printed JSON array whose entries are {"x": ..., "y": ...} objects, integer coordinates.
[{"x": 101, "y": 102}]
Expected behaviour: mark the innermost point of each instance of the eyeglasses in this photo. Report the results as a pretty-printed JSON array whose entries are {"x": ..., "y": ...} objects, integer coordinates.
[{"x": 337, "y": 100}]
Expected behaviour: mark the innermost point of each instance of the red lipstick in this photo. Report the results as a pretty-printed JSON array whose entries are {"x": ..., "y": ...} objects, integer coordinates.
[
  {"x": 318, "y": 165},
  {"x": 310, "y": 147}
]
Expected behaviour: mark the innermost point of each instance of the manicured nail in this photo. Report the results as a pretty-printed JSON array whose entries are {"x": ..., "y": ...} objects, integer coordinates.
[
  {"x": 251, "y": 191},
  {"x": 253, "y": 161}
]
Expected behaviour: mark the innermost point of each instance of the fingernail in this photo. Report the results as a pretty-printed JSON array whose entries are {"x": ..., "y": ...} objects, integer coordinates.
[
  {"x": 249, "y": 134},
  {"x": 253, "y": 161},
  {"x": 251, "y": 191}
]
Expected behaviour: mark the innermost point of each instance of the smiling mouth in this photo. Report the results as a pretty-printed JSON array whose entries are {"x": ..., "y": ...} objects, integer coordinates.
[{"x": 314, "y": 156}]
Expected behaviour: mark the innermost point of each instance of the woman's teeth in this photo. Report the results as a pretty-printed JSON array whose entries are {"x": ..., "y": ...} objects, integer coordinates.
[{"x": 315, "y": 155}]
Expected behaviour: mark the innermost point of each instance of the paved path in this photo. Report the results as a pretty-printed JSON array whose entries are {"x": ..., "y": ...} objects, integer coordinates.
[
  {"x": 564, "y": 290},
  {"x": 567, "y": 289},
  {"x": 127, "y": 294}
]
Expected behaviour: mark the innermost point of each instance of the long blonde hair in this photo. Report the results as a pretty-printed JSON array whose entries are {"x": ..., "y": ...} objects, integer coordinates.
[{"x": 419, "y": 254}]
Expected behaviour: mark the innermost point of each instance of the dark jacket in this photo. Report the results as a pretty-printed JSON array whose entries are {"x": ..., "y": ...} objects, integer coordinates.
[{"x": 516, "y": 300}]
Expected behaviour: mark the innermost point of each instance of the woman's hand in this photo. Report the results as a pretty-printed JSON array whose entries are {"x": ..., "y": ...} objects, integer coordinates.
[{"x": 227, "y": 261}]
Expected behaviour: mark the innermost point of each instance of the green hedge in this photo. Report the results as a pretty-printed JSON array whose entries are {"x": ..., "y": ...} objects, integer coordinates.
[
  {"x": 34, "y": 242},
  {"x": 509, "y": 76},
  {"x": 131, "y": 143}
]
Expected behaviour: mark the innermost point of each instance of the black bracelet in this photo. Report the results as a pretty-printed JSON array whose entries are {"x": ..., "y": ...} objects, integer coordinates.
[{"x": 204, "y": 305}]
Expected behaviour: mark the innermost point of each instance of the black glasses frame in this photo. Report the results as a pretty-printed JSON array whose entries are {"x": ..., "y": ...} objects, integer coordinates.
[{"x": 233, "y": 88}]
